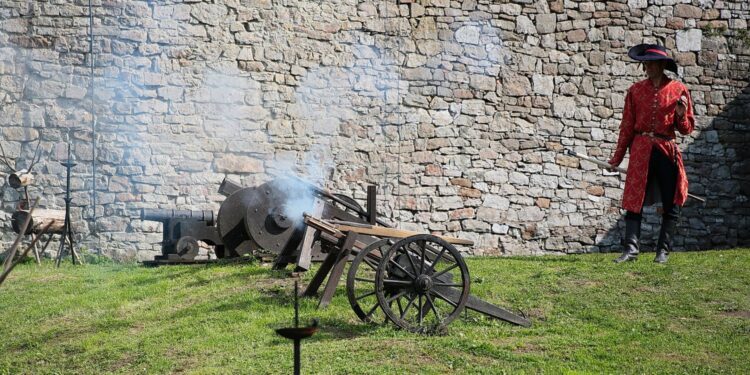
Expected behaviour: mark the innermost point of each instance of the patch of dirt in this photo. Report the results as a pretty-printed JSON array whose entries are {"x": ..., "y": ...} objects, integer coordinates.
[
  {"x": 503, "y": 341},
  {"x": 406, "y": 350},
  {"x": 529, "y": 348},
  {"x": 634, "y": 274},
  {"x": 186, "y": 365},
  {"x": 536, "y": 314},
  {"x": 646, "y": 288},
  {"x": 737, "y": 314},
  {"x": 587, "y": 283},
  {"x": 125, "y": 361},
  {"x": 52, "y": 277},
  {"x": 674, "y": 357},
  {"x": 136, "y": 328}
]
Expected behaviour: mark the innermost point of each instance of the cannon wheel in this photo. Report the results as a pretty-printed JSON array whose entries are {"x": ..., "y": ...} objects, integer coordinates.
[
  {"x": 414, "y": 286},
  {"x": 360, "y": 282}
]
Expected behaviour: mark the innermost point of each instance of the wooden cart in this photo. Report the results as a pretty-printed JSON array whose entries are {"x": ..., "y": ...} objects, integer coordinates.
[{"x": 420, "y": 282}]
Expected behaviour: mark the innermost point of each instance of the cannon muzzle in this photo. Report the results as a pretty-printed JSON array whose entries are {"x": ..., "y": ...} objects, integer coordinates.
[{"x": 156, "y": 214}]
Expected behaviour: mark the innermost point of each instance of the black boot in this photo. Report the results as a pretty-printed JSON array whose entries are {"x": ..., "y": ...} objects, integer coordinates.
[
  {"x": 666, "y": 235},
  {"x": 630, "y": 242}
]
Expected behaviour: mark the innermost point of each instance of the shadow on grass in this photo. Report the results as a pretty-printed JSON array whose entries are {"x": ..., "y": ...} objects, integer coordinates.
[
  {"x": 179, "y": 271},
  {"x": 540, "y": 259},
  {"x": 332, "y": 329}
]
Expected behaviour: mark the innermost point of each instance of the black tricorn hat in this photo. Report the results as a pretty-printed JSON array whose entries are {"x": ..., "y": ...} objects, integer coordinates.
[{"x": 652, "y": 52}]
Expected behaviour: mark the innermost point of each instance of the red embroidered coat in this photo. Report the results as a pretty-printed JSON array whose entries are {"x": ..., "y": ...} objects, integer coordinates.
[{"x": 650, "y": 109}]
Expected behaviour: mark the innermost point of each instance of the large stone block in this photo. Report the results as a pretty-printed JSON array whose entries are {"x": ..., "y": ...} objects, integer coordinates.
[
  {"x": 468, "y": 34},
  {"x": 574, "y": 36},
  {"x": 515, "y": 85},
  {"x": 483, "y": 82},
  {"x": 238, "y": 164},
  {"x": 546, "y": 23},
  {"x": 564, "y": 106},
  {"x": 687, "y": 11},
  {"x": 473, "y": 107},
  {"x": 637, "y": 4},
  {"x": 210, "y": 14},
  {"x": 689, "y": 40},
  {"x": 525, "y": 26},
  {"x": 543, "y": 84},
  {"x": 496, "y": 202}
]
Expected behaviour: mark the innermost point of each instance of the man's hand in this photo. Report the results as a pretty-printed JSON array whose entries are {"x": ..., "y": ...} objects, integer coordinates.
[
  {"x": 681, "y": 106},
  {"x": 612, "y": 167}
]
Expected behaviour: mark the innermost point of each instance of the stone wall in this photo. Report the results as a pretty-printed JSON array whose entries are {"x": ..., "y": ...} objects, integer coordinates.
[{"x": 459, "y": 111}]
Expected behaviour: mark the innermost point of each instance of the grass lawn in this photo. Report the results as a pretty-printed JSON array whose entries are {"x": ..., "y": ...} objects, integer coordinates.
[{"x": 590, "y": 315}]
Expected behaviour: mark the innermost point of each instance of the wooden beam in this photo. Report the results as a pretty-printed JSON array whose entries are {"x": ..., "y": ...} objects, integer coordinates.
[
  {"x": 378, "y": 231},
  {"x": 338, "y": 269}
]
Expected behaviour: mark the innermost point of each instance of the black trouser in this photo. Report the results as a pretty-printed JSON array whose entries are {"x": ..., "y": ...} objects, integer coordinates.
[{"x": 662, "y": 170}]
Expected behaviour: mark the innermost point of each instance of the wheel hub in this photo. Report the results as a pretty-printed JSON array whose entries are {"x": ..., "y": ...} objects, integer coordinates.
[
  {"x": 423, "y": 283},
  {"x": 280, "y": 218}
]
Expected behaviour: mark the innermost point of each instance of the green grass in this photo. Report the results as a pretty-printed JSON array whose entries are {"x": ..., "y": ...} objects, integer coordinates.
[{"x": 590, "y": 316}]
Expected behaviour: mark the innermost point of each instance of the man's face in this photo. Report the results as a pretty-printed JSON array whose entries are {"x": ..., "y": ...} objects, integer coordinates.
[{"x": 654, "y": 69}]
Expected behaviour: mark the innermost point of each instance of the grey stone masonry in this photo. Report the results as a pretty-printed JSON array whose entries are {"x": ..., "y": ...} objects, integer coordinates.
[{"x": 458, "y": 110}]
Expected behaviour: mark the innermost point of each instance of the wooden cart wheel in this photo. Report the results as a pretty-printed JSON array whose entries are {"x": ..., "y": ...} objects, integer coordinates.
[
  {"x": 360, "y": 282},
  {"x": 415, "y": 287}
]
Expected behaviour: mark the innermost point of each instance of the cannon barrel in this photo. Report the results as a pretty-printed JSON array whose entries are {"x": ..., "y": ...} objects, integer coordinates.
[{"x": 156, "y": 214}]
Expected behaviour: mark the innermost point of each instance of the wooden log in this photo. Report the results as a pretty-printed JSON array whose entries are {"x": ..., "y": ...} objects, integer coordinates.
[
  {"x": 39, "y": 219},
  {"x": 20, "y": 179}
]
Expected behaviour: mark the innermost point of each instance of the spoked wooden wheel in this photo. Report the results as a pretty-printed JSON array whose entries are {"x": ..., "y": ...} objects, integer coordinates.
[
  {"x": 360, "y": 282},
  {"x": 415, "y": 285}
]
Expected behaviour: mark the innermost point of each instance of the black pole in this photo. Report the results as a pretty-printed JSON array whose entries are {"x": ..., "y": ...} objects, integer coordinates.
[
  {"x": 297, "y": 346},
  {"x": 297, "y": 355},
  {"x": 67, "y": 230},
  {"x": 296, "y": 305},
  {"x": 296, "y": 333}
]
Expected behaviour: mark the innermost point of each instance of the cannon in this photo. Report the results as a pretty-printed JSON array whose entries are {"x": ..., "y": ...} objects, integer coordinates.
[
  {"x": 420, "y": 282},
  {"x": 182, "y": 231},
  {"x": 260, "y": 221},
  {"x": 268, "y": 219},
  {"x": 417, "y": 281}
]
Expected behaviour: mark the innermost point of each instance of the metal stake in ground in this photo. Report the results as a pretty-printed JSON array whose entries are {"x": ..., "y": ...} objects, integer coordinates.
[{"x": 297, "y": 333}]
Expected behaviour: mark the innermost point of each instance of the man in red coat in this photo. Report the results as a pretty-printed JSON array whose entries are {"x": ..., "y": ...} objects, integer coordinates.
[{"x": 654, "y": 109}]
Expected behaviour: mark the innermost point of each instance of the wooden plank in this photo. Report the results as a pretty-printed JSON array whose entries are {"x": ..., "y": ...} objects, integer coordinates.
[
  {"x": 329, "y": 233},
  {"x": 305, "y": 254},
  {"x": 320, "y": 276},
  {"x": 338, "y": 269},
  {"x": 372, "y": 212},
  {"x": 394, "y": 233}
]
